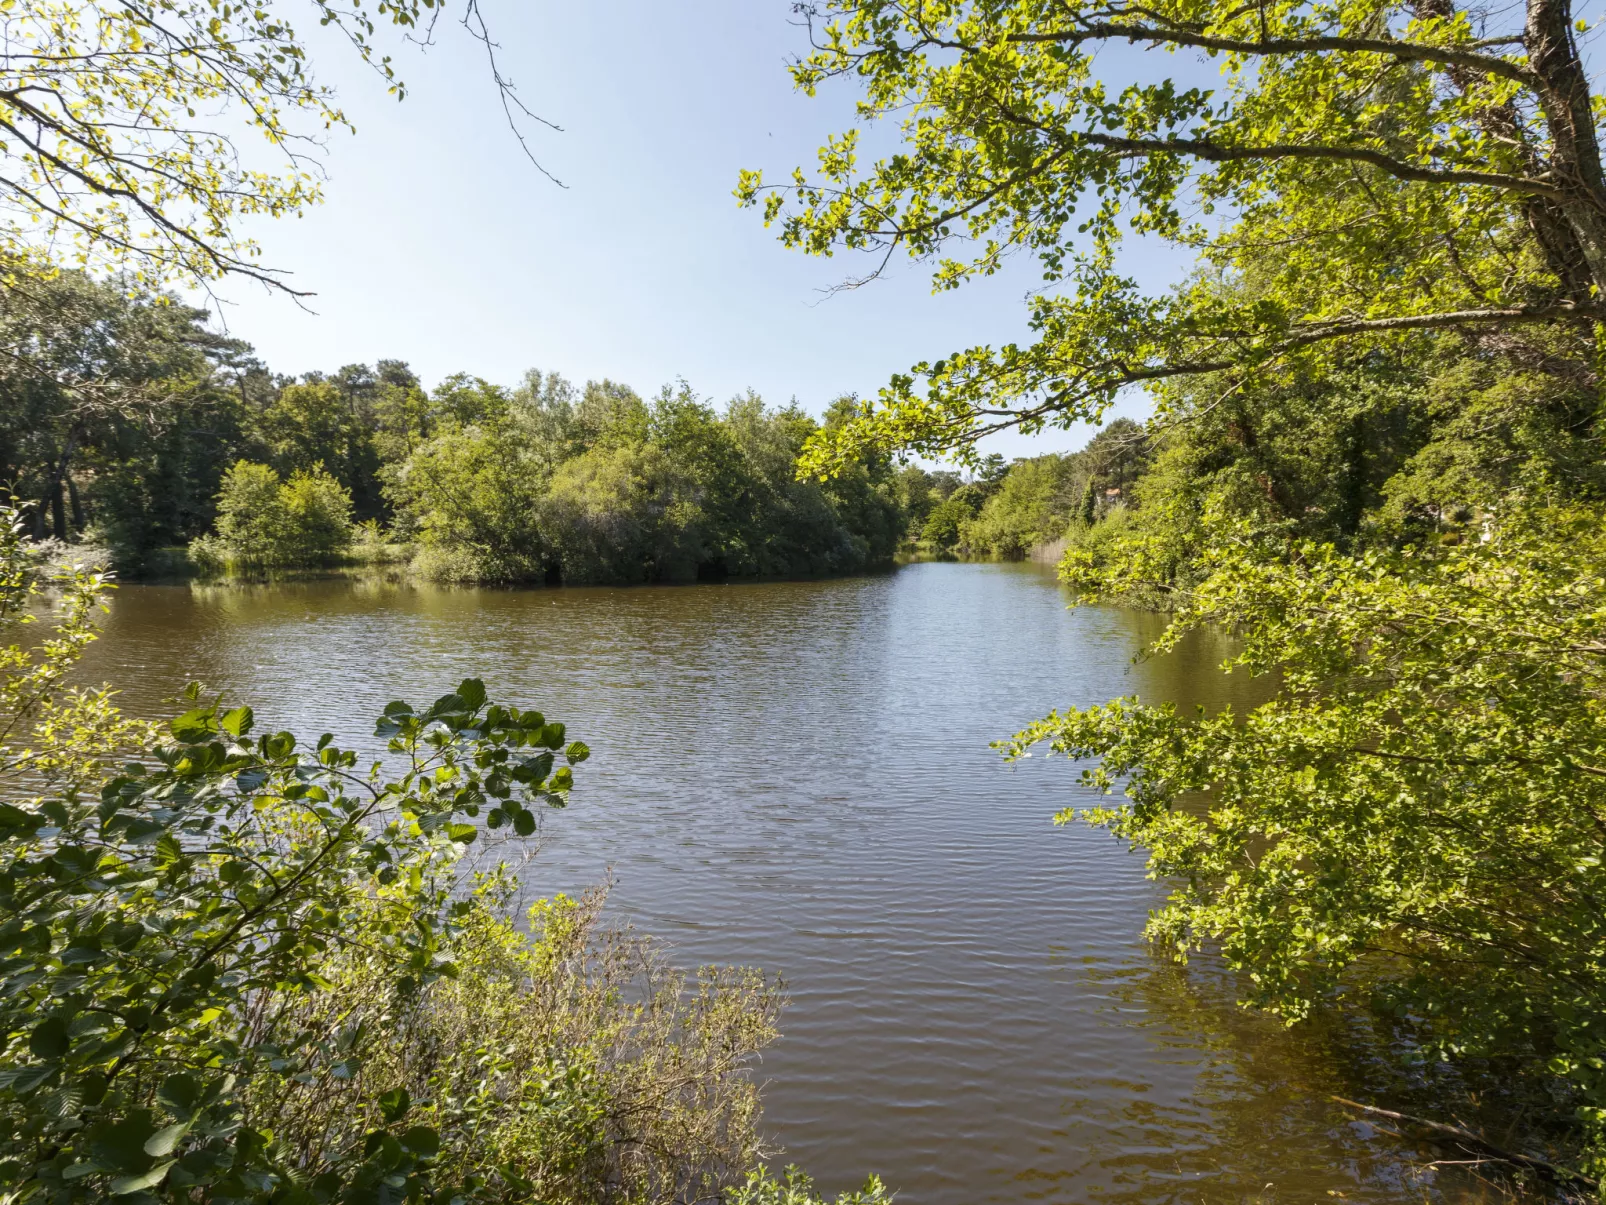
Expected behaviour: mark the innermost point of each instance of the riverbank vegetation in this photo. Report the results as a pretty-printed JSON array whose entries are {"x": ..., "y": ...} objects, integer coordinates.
[
  {"x": 1375, "y": 457},
  {"x": 199, "y": 446}
]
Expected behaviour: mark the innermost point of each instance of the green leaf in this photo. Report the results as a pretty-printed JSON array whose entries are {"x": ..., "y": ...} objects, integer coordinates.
[
  {"x": 237, "y": 723},
  {"x": 22, "y": 1080},
  {"x": 446, "y": 705},
  {"x": 472, "y": 692},
  {"x": 179, "y": 1094},
  {"x": 524, "y": 823},
  {"x": 124, "y": 1185},
  {"x": 422, "y": 1141},
  {"x": 577, "y": 752},
  {"x": 463, "y": 834},
  {"x": 395, "y": 1104},
  {"x": 48, "y": 1039},
  {"x": 196, "y": 727},
  {"x": 165, "y": 1140}
]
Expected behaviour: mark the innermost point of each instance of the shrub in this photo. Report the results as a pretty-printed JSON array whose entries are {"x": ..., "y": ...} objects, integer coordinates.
[
  {"x": 249, "y": 969},
  {"x": 473, "y": 495},
  {"x": 317, "y": 512},
  {"x": 251, "y": 514},
  {"x": 1030, "y": 507},
  {"x": 793, "y": 1187},
  {"x": 264, "y": 522}
]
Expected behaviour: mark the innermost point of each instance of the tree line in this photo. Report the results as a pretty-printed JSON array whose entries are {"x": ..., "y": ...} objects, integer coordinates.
[
  {"x": 194, "y": 455},
  {"x": 189, "y": 442}
]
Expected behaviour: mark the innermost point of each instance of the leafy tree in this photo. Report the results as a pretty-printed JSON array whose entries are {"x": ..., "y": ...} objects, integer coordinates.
[
  {"x": 945, "y": 525},
  {"x": 1413, "y": 167},
  {"x": 473, "y": 498},
  {"x": 620, "y": 513},
  {"x": 608, "y": 412},
  {"x": 1029, "y": 508},
  {"x": 317, "y": 422},
  {"x": 120, "y": 125},
  {"x": 318, "y": 513},
  {"x": 1415, "y": 819},
  {"x": 91, "y": 377},
  {"x": 264, "y": 521},
  {"x": 403, "y": 414},
  {"x": 251, "y": 512}
]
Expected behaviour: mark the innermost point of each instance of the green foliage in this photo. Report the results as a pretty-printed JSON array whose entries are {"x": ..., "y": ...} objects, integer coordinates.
[
  {"x": 946, "y": 522},
  {"x": 243, "y": 969},
  {"x": 318, "y": 426},
  {"x": 161, "y": 927},
  {"x": 1010, "y": 509},
  {"x": 265, "y": 522},
  {"x": 793, "y": 1187},
  {"x": 132, "y": 161},
  {"x": 543, "y": 482},
  {"x": 1029, "y": 508},
  {"x": 1416, "y": 817},
  {"x": 472, "y": 495},
  {"x": 1411, "y": 168},
  {"x": 612, "y": 489}
]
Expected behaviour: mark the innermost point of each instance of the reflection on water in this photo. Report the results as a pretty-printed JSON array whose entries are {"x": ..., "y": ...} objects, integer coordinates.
[{"x": 797, "y": 775}]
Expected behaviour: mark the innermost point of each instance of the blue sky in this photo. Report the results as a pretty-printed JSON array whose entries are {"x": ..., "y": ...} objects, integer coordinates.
[{"x": 439, "y": 244}]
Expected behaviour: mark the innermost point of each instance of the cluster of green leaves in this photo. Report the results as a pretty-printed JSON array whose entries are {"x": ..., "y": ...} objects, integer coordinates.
[
  {"x": 155, "y": 927},
  {"x": 1377, "y": 451},
  {"x": 1038, "y": 500},
  {"x": 263, "y": 521},
  {"x": 119, "y": 125},
  {"x": 1378, "y": 168},
  {"x": 794, "y": 1187},
  {"x": 1417, "y": 816},
  {"x": 600, "y": 485}
]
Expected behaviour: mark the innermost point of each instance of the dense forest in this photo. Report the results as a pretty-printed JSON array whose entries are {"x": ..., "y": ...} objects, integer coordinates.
[{"x": 193, "y": 443}]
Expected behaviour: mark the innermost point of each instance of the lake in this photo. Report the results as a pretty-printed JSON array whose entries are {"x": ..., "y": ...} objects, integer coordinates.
[{"x": 796, "y": 775}]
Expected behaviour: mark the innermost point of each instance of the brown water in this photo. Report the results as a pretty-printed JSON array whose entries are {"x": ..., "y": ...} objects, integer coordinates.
[{"x": 797, "y": 776}]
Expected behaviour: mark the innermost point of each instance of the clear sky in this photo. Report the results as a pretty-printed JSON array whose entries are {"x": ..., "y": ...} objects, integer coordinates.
[{"x": 439, "y": 244}]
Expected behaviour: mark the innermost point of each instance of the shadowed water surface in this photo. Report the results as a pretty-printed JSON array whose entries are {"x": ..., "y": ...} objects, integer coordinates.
[{"x": 797, "y": 775}]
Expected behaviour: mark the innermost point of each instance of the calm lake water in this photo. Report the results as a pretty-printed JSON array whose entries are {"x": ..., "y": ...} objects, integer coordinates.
[{"x": 797, "y": 776}]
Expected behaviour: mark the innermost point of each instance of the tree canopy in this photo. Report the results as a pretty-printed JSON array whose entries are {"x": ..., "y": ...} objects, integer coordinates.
[{"x": 1364, "y": 171}]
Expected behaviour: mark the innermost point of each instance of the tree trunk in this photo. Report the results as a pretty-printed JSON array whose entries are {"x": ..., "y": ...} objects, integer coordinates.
[
  {"x": 77, "y": 504},
  {"x": 52, "y": 494},
  {"x": 1558, "y": 242},
  {"x": 1564, "y": 94}
]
